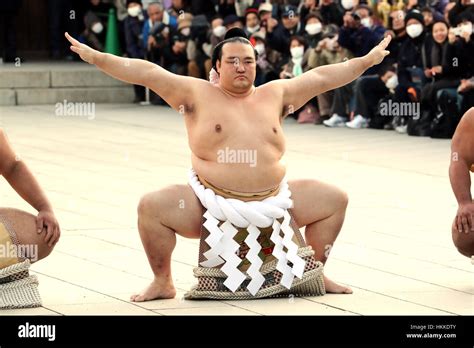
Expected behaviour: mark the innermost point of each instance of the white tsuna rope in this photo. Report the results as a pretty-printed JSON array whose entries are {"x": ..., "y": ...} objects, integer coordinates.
[{"x": 250, "y": 215}]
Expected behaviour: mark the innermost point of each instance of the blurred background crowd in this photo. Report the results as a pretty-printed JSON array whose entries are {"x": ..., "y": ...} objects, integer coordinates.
[{"x": 422, "y": 87}]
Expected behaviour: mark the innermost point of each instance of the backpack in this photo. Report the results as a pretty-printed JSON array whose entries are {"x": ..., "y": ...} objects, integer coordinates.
[
  {"x": 420, "y": 127},
  {"x": 447, "y": 117}
]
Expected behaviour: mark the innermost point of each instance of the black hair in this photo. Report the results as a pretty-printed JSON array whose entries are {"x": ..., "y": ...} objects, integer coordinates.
[
  {"x": 441, "y": 21},
  {"x": 313, "y": 15},
  {"x": 426, "y": 9},
  {"x": 301, "y": 40},
  {"x": 385, "y": 68},
  {"x": 232, "y": 35}
]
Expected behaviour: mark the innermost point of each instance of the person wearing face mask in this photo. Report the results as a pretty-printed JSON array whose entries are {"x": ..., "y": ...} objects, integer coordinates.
[
  {"x": 175, "y": 56},
  {"x": 374, "y": 94},
  {"x": 348, "y": 5},
  {"x": 264, "y": 66},
  {"x": 327, "y": 52},
  {"x": 94, "y": 32},
  {"x": 252, "y": 21},
  {"x": 294, "y": 68},
  {"x": 279, "y": 34},
  {"x": 462, "y": 7},
  {"x": 133, "y": 28},
  {"x": 359, "y": 33},
  {"x": 199, "y": 48},
  {"x": 313, "y": 29},
  {"x": 411, "y": 77},
  {"x": 217, "y": 30}
]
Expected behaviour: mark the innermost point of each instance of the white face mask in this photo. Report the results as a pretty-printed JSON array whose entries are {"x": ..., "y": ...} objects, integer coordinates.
[
  {"x": 467, "y": 28},
  {"x": 260, "y": 48},
  {"x": 97, "y": 28},
  {"x": 414, "y": 30},
  {"x": 186, "y": 31},
  {"x": 313, "y": 28},
  {"x": 219, "y": 31},
  {"x": 392, "y": 82},
  {"x": 297, "y": 52},
  {"x": 347, "y": 4},
  {"x": 134, "y": 11},
  {"x": 366, "y": 22},
  {"x": 252, "y": 30}
]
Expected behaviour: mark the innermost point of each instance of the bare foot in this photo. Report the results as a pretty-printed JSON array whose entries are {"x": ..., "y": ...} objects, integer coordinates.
[
  {"x": 157, "y": 289},
  {"x": 334, "y": 288}
]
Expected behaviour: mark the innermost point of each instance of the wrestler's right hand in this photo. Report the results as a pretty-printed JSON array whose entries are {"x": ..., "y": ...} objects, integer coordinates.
[
  {"x": 86, "y": 53},
  {"x": 464, "y": 218}
]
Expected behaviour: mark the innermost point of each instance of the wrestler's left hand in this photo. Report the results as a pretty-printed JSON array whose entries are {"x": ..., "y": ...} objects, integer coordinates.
[
  {"x": 46, "y": 221},
  {"x": 86, "y": 53},
  {"x": 464, "y": 218},
  {"x": 379, "y": 52}
]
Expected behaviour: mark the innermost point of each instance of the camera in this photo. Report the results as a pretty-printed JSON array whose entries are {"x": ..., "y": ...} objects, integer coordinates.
[
  {"x": 457, "y": 31},
  {"x": 355, "y": 16},
  {"x": 157, "y": 32}
]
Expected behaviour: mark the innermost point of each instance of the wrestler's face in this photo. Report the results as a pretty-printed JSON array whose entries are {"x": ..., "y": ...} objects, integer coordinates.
[{"x": 237, "y": 68}]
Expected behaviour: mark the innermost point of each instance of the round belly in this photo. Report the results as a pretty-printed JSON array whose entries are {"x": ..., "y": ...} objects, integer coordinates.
[{"x": 239, "y": 175}]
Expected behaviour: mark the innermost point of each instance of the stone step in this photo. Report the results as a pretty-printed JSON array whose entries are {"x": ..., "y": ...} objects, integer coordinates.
[
  {"x": 32, "y": 96},
  {"x": 7, "y": 97},
  {"x": 18, "y": 78},
  {"x": 24, "y": 78},
  {"x": 85, "y": 78}
]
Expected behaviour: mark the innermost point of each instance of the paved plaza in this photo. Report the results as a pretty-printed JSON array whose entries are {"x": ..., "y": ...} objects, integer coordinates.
[{"x": 395, "y": 248}]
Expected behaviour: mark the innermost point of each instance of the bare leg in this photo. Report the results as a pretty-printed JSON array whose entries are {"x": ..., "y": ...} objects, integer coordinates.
[
  {"x": 24, "y": 226},
  {"x": 464, "y": 242},
  {"x": 161, "y": 215},
  {"x": 321, "y": 208}
]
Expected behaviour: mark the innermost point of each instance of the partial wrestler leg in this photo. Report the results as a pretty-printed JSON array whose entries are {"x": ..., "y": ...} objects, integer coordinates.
[
  {"x": 24, "y": 226},
  {"x": 321, "y": 208},
  {"x": 162, "y": 214},
  {"x": 464, "y": 242}
]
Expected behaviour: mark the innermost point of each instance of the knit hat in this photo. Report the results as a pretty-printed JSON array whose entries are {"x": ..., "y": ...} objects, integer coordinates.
[{"x": 415, "y": 14}]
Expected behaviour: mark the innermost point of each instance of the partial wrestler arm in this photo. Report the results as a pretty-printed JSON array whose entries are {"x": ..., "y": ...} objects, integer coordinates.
[
  {"x": 462, "y": 157},
  {"x": 175, "y": 89},
  {"x": 15, "y": 171},
  {"x": 299, "y": 90}
]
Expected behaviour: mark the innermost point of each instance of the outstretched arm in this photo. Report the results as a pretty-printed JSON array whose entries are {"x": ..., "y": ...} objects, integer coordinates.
[
  {"x": 176, "y": 90},
  {"x": 299, "y": 90},
  {"x": 24, "y": 183}
]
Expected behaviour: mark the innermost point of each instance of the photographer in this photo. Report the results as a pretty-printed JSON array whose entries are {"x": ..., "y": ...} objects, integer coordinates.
[
  {"x": 174, "y": 54},
  {"x": 461, "y": 7},
  {"x": 359, "y": 33},
  {"x": 198, "y": 48}
]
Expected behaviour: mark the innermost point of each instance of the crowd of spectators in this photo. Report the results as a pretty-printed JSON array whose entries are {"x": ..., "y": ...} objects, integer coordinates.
[{"x": 421, "y": 88}]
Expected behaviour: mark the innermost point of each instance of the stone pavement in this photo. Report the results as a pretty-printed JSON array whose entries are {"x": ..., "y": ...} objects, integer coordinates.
[{"x": 395, "y": 248}]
